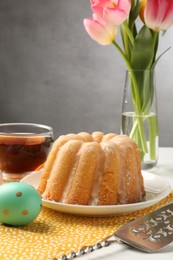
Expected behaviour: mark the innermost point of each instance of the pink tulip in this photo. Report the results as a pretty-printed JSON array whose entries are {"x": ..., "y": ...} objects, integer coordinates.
[
  {"x": 108, "y": 14},
  {"x": 158, "y": 14},
  {"x": 99, "y": 30},
  {"x": 114, "y": 11}
]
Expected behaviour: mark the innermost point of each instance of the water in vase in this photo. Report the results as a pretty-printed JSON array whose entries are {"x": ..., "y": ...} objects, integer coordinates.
[{"x": 150, "y": 125}]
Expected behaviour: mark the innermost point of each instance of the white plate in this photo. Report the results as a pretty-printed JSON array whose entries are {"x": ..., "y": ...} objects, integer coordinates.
[{"x": 156, "y": 188}]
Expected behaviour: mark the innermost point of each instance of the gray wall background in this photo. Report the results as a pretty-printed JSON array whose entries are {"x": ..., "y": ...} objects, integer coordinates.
[{"x": 52, "y": 73}]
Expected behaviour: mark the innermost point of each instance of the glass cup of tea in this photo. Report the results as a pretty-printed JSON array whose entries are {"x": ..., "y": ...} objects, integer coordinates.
[{"x": 24, "y": 148}]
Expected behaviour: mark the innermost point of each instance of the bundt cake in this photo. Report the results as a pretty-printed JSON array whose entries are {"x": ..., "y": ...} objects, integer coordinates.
[{"x": 94, "y": 169}]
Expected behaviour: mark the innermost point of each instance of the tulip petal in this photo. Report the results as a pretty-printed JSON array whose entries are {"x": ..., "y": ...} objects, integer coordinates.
[
  {"x": 115, "y": 16},
  {"x": 158, "y": 14},
  {"x": 97, "y": 10},
  {"x": 115, "y": 12},
  {"x": 168, "y": 19},
  {"x": 142, "y": 8},
  {"x": 104, "y": 35},
  {"x": 124, "y": 5},
  {"x": 105, "y": 3}
]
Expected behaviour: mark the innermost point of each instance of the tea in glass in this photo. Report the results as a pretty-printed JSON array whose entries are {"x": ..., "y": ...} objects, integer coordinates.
[{"x": 23, "y": 149}]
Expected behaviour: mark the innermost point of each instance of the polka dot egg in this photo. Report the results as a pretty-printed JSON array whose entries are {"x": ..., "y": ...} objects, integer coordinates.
[{"x": 20, "y": 203}]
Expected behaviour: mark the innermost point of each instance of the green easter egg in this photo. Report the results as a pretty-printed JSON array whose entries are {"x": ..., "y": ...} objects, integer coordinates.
[{"x": 20, "y": 203}]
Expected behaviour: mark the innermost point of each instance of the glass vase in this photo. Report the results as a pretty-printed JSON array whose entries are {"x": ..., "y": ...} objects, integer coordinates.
[{"x": 140, "y": 114}]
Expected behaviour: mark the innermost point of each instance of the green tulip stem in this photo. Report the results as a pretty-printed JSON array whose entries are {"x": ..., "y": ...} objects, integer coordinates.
[
  {"x": 128, "y": 32},
  {"x": 136, "y": 99}
]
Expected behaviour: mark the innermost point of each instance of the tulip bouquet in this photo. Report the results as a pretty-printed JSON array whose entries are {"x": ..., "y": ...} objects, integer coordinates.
[{"x": 139, "y": 50}]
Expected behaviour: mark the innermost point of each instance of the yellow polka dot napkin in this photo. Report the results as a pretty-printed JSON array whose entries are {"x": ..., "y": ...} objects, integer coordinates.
[{"x": 53, "y": 234}]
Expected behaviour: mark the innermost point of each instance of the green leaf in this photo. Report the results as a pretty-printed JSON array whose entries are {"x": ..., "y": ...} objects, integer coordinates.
[
  {"x": 148, "y": 90},
  {"x": 134, "y": 13},
  {"x": 143, "y": 50},
  {"x": 133, "y": 16},
  {"x": 156, "y": 61}
]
